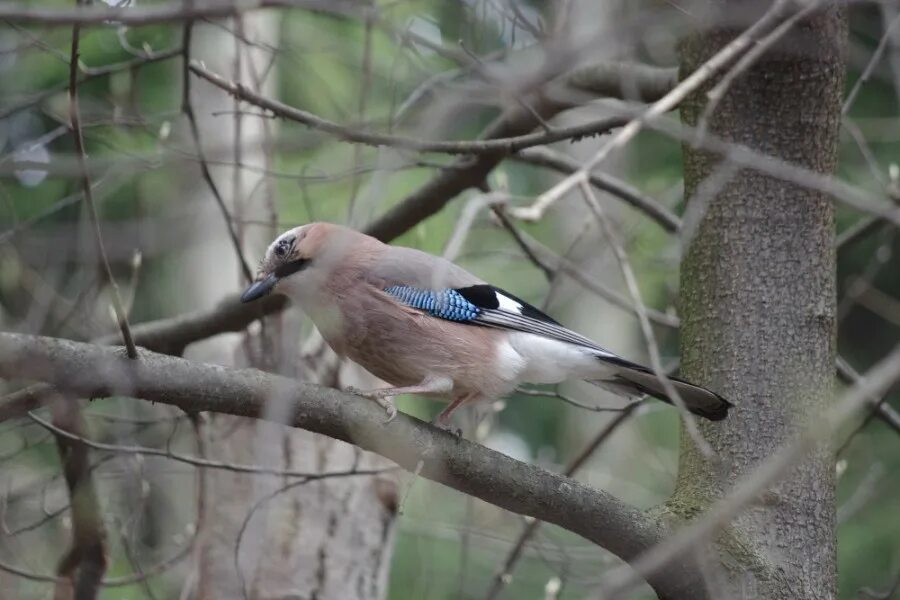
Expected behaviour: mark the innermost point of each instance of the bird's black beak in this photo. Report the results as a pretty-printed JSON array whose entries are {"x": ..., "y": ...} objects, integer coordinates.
[{"x": 259, "y": 288}]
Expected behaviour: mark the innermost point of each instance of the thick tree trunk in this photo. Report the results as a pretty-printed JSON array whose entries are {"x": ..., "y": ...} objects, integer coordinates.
[{"x": 758, "y": 306}]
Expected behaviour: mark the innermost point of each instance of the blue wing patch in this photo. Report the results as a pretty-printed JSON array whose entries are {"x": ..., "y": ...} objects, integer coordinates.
[{"x": 444, "y": 304}]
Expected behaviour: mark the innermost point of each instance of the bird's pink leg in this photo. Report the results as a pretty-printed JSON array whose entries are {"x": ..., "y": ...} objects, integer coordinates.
[
  {"x": 429, "y": 385},
  {"x": 443, "y": 419}
]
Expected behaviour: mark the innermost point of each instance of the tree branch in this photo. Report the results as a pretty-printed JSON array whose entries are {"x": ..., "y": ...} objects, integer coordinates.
[
  {"x": 92, "y": 371},
  {"x": 166, "y": 12},
  {"x": 87, "y": 191},
  {"x": 878, "y": 405},
  {"x": 724, "y": 57},
  {"x": 82, "y": 566},
  {"x": 626, "y": 80},
  {"x": 354, "y": 134},
  {"x": 502, "y": 578},
  {"x": 471, "y": 172},
  {"x": 89, "y": 74},
  {"x": 169, "y": 336},
  {"x": 544, "y": 157}
]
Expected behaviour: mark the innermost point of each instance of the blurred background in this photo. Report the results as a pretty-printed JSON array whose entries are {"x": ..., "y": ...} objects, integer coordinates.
[{"x": 173, "y": 198}]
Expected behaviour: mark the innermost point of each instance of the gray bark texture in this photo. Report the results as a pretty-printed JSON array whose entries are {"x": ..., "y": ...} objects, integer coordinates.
[
  {"x": 758, "y": 306},
  {"x": 275, "y": 537}
]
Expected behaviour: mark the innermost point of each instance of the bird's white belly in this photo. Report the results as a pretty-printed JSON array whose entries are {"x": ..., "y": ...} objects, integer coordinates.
[{"x": 530, "y": 358}]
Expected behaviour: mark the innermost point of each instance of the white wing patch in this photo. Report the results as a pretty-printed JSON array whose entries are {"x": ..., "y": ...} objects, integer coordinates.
[{"x": 508, "y": 304}]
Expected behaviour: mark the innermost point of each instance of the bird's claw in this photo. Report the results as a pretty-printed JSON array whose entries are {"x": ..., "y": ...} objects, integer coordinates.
[
  {"x": 445, "y": 426},
  {"x": 389, "y": 407},
  {"x": 384, "y": 402}
]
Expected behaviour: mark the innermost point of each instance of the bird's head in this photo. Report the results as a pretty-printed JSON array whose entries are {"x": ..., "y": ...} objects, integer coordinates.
[{"x": 292, "y": 260}]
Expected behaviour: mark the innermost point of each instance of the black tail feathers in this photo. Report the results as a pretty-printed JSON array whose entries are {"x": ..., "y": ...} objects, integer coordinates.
[{"x": 633, "y": 380}]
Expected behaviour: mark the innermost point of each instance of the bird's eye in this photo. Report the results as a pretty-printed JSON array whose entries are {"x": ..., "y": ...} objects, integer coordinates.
[{"x": 282, "y": 248}]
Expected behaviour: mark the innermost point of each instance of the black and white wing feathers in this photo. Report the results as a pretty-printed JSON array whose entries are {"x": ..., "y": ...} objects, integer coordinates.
[{"x": 500, "y": 309}]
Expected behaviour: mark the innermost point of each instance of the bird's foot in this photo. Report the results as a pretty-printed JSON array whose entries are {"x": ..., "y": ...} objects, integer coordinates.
[
  {"x": 388, "y": 405},
  {"x": 446, "y": 426},
  {"x": 383, "y": 400}
]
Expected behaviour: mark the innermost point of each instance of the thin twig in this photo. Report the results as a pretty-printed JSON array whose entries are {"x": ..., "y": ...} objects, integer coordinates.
[
  {"x": 566, "y": 266},
  {"x": 571, "y": 401},
  {"x": 500, "y": 212},
  {"x": 653, "y": 348},
  {"x": 716, "y": 94},
  {"x": 867, "y": 593},
  {"x": 504, "y": 576},
  {"x": 546, "y": 157},
  {"x": 365, "y": 90},
  {"x": 188, "y": 109},
  {"x": 89, "y": 74},
  {"x": 858, "y": 231},
  {"x": 870, "y": 67},
  {"x": 75, "y": 119},
  {"x": 167, "y": 12},
  {"x": 82, "y": 566},
  {"x": 875, "y": 382},
  {"x": 881, "y": 205},
  {"x": 704, "y": 73},
  {"x": 502, "y": 146},
  {"x": 183, "y": 458},
  {"x": 879, "y": 408}
]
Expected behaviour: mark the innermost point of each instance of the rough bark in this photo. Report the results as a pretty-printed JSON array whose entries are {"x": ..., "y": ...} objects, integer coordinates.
[{"x": 758, "y": 307}]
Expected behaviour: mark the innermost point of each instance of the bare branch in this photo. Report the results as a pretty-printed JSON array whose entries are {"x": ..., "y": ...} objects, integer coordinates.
[
  {"x": 878, "y": 405},
  {"x": 196, "y": 461},
  {"x": 169, "y": 336},
  {"x": 545, "y": 157},
  {"x": 523, "y": 245},
  {"x": 501, "y": 146},
  {"x": 858, "y": 231},
  {"x": 704, "y": 73},
  {"x": 880, "y": 205},
  {"x": 188, "y": 110},
  {"x": 756, "y": 52},
  {"x": 89, "y": 74},
  {"x": 82, "y": 566},
  {"x": 157, "y": 13},
  {"x": 93, "y": 371},
  {"x": 626, "y": 80},
  {"x": 502, "y": 578},
  {"x": 870, "y": 66},
  {"x": 689, "y": 420},
  {"x": 75, "y": 119},
  {"x": 561, "y": 264},
  {"x": 467, "y": 173}
]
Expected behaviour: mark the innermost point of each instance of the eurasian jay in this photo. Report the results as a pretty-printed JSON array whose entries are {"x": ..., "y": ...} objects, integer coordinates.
[{"x": 427, "y": 326}]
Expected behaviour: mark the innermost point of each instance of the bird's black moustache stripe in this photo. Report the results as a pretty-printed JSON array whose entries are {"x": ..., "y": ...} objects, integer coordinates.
[{"x": 290, "y": 268}]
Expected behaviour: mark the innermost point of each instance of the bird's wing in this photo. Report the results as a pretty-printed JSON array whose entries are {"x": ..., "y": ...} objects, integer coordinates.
[
  {"x": 444, "y": 290},
  {"x": 417, "y": 269},
  {"x": 488, "y": 306}
]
